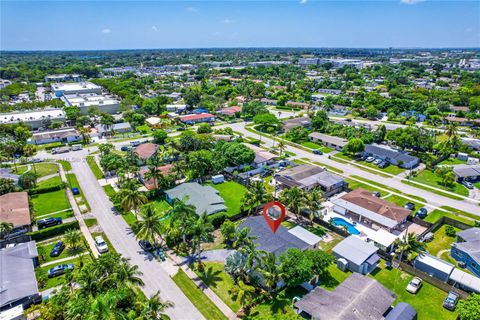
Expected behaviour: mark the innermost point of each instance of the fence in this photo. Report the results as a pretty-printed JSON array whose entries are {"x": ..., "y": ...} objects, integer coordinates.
[
  {"x": 443, "y": 220},
  {"x": 16, "y": 240}
]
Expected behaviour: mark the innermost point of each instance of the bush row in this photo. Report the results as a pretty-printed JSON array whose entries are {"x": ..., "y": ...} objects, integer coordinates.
[
  {"x": 47, "y": 189},
  {"x": 53, "y": 231}
]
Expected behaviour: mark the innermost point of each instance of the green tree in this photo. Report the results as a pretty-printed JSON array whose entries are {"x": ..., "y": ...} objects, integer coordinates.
[
  {"x": 160, "y": 136},
  {"x": 6, "y": 186},
  {"x": 294, "y": 199},
  {"x": 153, "y": 308},
  {"x": 409, "y": 247},
  {"x": 255, "y": 196},
  {"x": 296, "y": 267},
  {"x": 28, "y": 180},
  {"x": 149, "y": 226},
  {"x": 266, "y": 121},
  {"x": 183, "y": 216},
  {"x": 131, "y": 200},
  {"x": 204, "y": 128},
  {"x": 469, "y": 309},
  {"x": 228, "y": 231},
  {"x": 201, "y": 232},
  {"x": 244, "y": 294},
  {"x": 354, "y": 146},
  {"x": 270, "y": 271},
  {"x": 74, "y": 241}
]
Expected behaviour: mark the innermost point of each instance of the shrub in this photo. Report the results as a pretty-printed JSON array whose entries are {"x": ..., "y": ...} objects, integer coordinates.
[
  {"x": 450, "y": 231},
  {"x": 48, "y": 189},
  {"x": 53, "y": 231},
  {"x": 217, "y": 219}
]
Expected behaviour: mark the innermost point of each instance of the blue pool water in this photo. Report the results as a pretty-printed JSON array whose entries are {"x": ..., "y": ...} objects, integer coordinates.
[{"x": 339, "y": 222}]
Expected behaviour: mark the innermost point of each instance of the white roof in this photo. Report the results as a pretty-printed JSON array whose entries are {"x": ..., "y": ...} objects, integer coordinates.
[
  {"x": 31, "y": 116},
  {"x": 74, "y": 86},
  {"x": 89, "y": 99},
  {"x": 305, "y": 235},
  {"x": 378, "y": 218},
  {"x": 465, "y": 279},
  {"x": 382, "y": 237},
  {"x": 153, "y": 120},
  {"x": 435, "y": 262},
  {"x": 176, "y": 106}
]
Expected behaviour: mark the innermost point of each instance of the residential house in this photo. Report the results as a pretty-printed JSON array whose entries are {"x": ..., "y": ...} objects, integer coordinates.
[
  {"x": 146, "y": 150},
  {"x": 66, "y": 135},
  {"x": 433, "y": 266},
  {"x": 204, "y": 198},
  {"x": 472, "y": 143},
  {"x": 336, "y": 143},
  {"x": 269, "y": 102},
  {"x": 153, "y": 121},
  {"x": 34, "y": 119},
  {"x": 299, "y": 105},
  {"x": 466, "y": 172},
  {"x": 15, "y": 209},
  {"x": 197, "y": 118},
  {"x": 122, "y": 127},
  {"x": 17, "y": 276},
  {"x": 419, "y": 117},
  {"x": 229, "y": 111},
  {"x": 402, "y": 311},
  {"x": 176, "y": 108},
  {"x": 262, "y": 157},
  {"x": 308, "y": 177},
  {"x": 357, "y": 298},
  {"x": 281, "y": 240},
  {"x": 330, "y": 91},
  {"x": 361, "y": 206},
  {"x": 395, "y": 157},
  {"x": 296, "y": 122},
  {"x": 150, "y": 183},
  {"x": 356, "y": 255},
  {"x": 338, "y": 110},
  {"x": 467, "y": 249}
]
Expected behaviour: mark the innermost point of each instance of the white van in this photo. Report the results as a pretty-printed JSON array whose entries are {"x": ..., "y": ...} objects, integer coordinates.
[{"x": 76, "y": 147}]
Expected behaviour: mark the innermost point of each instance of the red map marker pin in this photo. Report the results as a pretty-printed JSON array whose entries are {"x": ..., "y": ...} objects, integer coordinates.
[{"x": 274, "y": 212}]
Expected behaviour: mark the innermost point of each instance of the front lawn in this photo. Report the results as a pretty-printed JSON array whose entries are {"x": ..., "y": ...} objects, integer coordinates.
[
  {"x": 233, "y": 193},
  {"x": 451, "y": 162},
  {"x": 311, "y": 145},
  {"x": 427, "y": 302},
  {"x": 97, "y": 172},
  {"x": 432, "y": 179},
  {"x": 44, "y": 252},
  {"x": 439, "y": 213},
  {"x": 441, "y": 241},
  {"x": 49, "y": 202},
  {"x": 44, "y": 169},
  {"x": 49, "y": 183},
  {"x": 45, "y": 283},
  {"x": 206, "y": 307},
  {"x": 391, "y": 169},
  {"x": 65, "y": 164}
]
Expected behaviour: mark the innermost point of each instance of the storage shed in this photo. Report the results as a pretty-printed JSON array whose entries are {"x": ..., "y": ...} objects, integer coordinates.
[{"x": 433, "y": 266}]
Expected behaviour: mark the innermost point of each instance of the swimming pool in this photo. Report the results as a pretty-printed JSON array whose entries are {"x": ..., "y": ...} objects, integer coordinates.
[{"x": 339, "y": 222}]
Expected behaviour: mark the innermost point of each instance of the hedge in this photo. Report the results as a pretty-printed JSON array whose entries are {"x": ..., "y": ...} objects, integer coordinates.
[
  {"x": 53, "y": 231},
  {"x": 217, "y": 219},
  {"x": 49, "y": 189}
]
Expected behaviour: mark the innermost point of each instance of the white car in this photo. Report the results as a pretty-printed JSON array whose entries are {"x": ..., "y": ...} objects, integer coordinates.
[
  {"x": 370, "y": 159},
  {"x": 101, "y": 245},
  {"x": 414, "y": 285},
  {"x": 377, "y": 161}
]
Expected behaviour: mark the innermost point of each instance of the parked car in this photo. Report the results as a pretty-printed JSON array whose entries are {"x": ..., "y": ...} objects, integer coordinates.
[
  {"x": 370, "y": 159},
  {"x": 377, "y": 194},
  {"x": 181, "y": 129},
  {"x": 377, "y": 161},
  {"x": 135, "y": 143},
  {"x": 101, "y": 245},
  {"x": 319, "y": 152},
  {"x": 125, "y": 148},
  {"x": 451, "y": 300},
  {"x": 145, "y": 245},
  {"x": 75, "y": 191},
  {"x": 422, "y": 213},
  {"x": 48, "y": 222},
  {"x": 57, "y": 249},
  {"x": 467, "y": 184},
  {"x": 414, "y": 285},
  {"x": 36, "y": 160},
  {"x": 59, "y": 270},
  {"x": 382, "y": 165},
  {"x": 409, "y": 206}
]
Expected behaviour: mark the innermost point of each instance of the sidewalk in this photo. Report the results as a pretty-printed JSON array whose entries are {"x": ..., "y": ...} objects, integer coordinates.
[{"x": 63, "y": 260}]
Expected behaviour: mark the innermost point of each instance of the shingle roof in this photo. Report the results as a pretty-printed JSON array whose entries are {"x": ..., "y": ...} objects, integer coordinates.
[
  {"x": 402, "y": 311},
  {"x": 471, "y": 244},
  {"x": 307, "y": 175},
  {"x": 146, "y": 150},
  {"x": 357, "y": 298},
  {"x": 14, "y": 208},
  {"x": 382, "y": 151},
  {"x": 355, "y": 250},
  {"x": 17, "y": 275},
  {"x": 466, "y": 170},
  {"x": 204, "y": 198},
  {"x": 341, "y": 142},
  {"x": 268, "y": 241}
]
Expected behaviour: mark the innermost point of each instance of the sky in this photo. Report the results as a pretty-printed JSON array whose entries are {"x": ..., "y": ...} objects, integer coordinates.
[{"x": 98, "y": 25}]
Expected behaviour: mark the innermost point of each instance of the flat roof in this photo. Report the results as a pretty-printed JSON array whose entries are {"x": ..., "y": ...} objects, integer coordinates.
[
  {"x": 382, "y": 237},
  {"x": 305, "y": 235},
  {"x": 465, "y": 279},
  {"x": 31, "y": 115},
  {"x": 329, "y": 139},
  {"x": 74, "y": 86},
  {"x": 435, "y": 262},
  {"x": 355, "y": 249},
  {"x": 89, "y": 99}
]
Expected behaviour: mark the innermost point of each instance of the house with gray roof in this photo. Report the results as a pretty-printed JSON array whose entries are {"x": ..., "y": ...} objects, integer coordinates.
[
  {"x": 18, "y": 283},
  {"x": 357, "y": 298},
  {"x": 392, "y": 156},
  {"x": 467, "y": 172},
  {"x": 336, "y": 143},
  {"x": 204, "y": 198},
  {"x": 467, "y": 249},
  {"x": 308, "y": 177},
  {"x": 277, "y": 242},
  {"x": 356, "y": 255}
]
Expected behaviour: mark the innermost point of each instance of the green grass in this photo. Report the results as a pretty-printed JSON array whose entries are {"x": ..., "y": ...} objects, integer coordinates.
[
  {"x": 232, "y": 192},
  {"x": 441, "y": 241},
  {"x": 439, "y": 213},
  {"x": 280, "y": 307},
  {"x": 391, "y": 169},
  {"x": 50, "y": 182},
  {"x": 129, "y": 218},
  {"x": 44, "y": 252},
  {"x": 144, "y": 129},
  {"x": 20, "y": 169},
  {"x": 91, "y": 222},
  {"x": 44, "y": 169},
  {"x": 63, "y": 215},
  {"x": 430, "y": 178},
  {"x": 333, "y": 278},
  {"x": 104, "y": 236},
  {"x": 161, "y": 205},
  {"x": 206, "y": 307},
  {"x": 45, "y": 203},
  {"x": 333, "y": 169},
  {"x": 65, "y": 164},
  {"x": 451, "y": 161},
  {"x": 73, "y": 183},
  {"x": 427, "y": 302},
  {"x": 53, "y": 282},
  {"x": 311, "y": 145},
  {"x": 109, "y": 190},
  {"x": 97, "y": 172},
  {"x": 298, "y": 161}
]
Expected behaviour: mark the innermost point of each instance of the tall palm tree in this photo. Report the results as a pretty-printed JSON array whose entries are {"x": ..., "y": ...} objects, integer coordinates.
[
  {"x": 250, "y": 251},
  {"x": 5, "y": 228},
  {"x": 132, "y": 158},
  {"x": 131, "y": 200},
  {"x": 294, "y": 198},
  {"x": 153, "y": 308},
  {"x": 313, "y": 202},
  {"x": 243, "y": 238},
  {"x": 243, "y": 294},
  {"x": 104, "y": 307},
  {"x": 73, "y": 239},
  {"x": 255, "y": 196},
  {"x": 183, "y": 215},
  {"x": 281, "y": 146},
  {"x": 125, "y": 273},
  {"x": 270, "y": 270},
  {"x": 155, "y": 174},
  {"x": 201, "y": 232},
  {"x": 409, "y": 247},
  {"x": 149, "y": 227}
]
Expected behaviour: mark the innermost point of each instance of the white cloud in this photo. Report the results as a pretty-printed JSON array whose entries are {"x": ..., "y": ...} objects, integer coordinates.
[
  {"x": 303, "y": 1},
  {"x": 411, "y": 1},
  {"x": 191, "y": 9},
  {"x": 106, "y": 30},
  {"x": 228, "y": 21},
  {"x": 154, "y": 28}
]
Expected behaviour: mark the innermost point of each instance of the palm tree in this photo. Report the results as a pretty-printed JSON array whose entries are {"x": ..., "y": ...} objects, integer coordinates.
[
  {"x": 243, "y": 238},
  {"x": 452, "y": 133},
  {"x": 409, "y": 247},
  {"x": 149, "y": 227},
  {"x": 183, "y": 214},
  {"x": 28, "y": 180},
  {"x": 314, "y": 199},
  {"x": 5, "y": 228},
  {"x": 201, "y": 232},
  {"x": 243, "y": 294},
  {"x": 104, "y": 307},
  {"x": 250, "y": 251},
  {"x": 73, "y": 239},
  {"x": 294, "y": 198},
  {"x": 132, "y": 158},
  {"x": 270, "y": 270},
  {"x": 281, "y": 146},
  {"x": 131, "y": 200},
  {"x": 155, "y": 174},
  {"x": 125, "y": 273},
  {"x": 153, "y": 308},
  {"x": 255, "y": 196},
  {"x": 84, "y": 133}
]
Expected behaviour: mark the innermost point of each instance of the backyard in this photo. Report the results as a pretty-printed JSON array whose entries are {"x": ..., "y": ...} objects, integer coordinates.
[
  {"x": 45, "y": 203},
  {"x": 232, "y": 192},
  {"x": 45, "y": 283}
]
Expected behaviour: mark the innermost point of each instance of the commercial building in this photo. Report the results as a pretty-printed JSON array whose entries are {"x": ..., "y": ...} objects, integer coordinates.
[
  {"x": 467, "y": 249},
  {"x": 203, "y": 198},
  {"x": 62, "y": 77},
  {"x": 328, "y": 141},
  {"x": 356, "y": 255},
  {"x": 308, "y": 177},
  {"x": 34, "y": 119},
  {"x": 66, "y": 135},
  {"x": 392, "y": 156},
  {"x": 85, "y": 101},
  {"x": 361, "y": 206},
  {"x": 61, "y": 89}
]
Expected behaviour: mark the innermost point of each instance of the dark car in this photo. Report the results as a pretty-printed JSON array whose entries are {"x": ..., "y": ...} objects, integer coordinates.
[
  {"x": 75, "y": 191},
  {"x": 317, "y": 152},
  {"x": 377, "y": 194},
  {"x": 48, "y": 222},
  {"x": 451, "y": 300},
  {"x": 59, "y": 270},
  {"x": 145, "y": 245},
  {"x": 421, "y": 213},
  {"x": 57, "y": 249},
  {"x": 382, "y": 165},
  {"x": 409, "y": 206},
  {"x": 125, "y": 148},
  {"x": 181, "y": 129}
]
